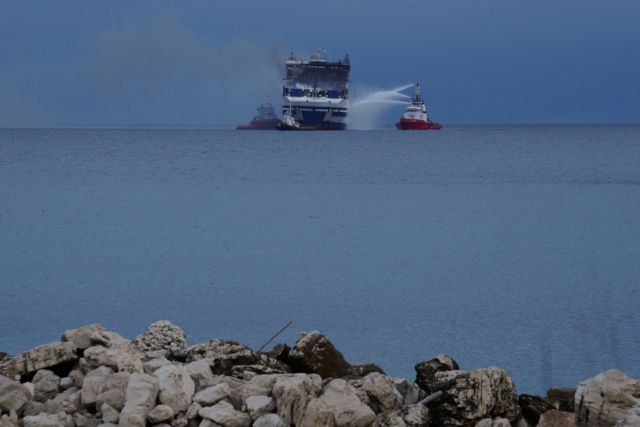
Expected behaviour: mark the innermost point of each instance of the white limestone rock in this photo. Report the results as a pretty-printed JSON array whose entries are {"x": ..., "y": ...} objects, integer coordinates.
[
  {"x": 605, "y": 399},
  {"x": 140, "y": 398},
  {"x": 44, "y": 357},
  {"x": 270, "y": 420},
  {"x": 258, "y": 406},
  {"x": 160, "y": 414},
  {"x": 292, "y": 393},
  {"x": 224, "y": 414},
  {"x": 212, "y": 395},
  {"x": 176, "y": 387},
  {"x": 13, "y": 395},
  {"x": 81, "y": 337},
  {"x": 339, "y": 406}
]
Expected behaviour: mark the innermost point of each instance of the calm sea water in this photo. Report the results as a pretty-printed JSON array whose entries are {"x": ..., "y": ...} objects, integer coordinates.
[{"x": 517, "y": 247}]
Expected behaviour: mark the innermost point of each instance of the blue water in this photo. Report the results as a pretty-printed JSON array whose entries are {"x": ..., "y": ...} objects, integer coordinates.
[{"x": 517, "y": 247}]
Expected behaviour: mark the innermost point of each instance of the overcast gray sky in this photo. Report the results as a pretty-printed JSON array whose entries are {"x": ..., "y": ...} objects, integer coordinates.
[{"x": 209, "y": 62}]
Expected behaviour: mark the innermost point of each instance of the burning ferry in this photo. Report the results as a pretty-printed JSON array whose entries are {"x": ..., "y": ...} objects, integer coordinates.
[{"x": 315, "y": 93}]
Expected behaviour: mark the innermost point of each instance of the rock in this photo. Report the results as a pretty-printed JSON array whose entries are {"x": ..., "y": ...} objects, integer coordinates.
[
  {"x": 426, "y": 371},
  {"x": 193, "y": 410},
  {"x": 390, "y": 419},
  {"x": 270, "y": 420},
  {"x": 108, "y": 339},
  {"x": 109, "y": 414},
  {"x": 631, "y": 418},
  {"x": 180, "y": 421},
  {"x": 555, "y": 418},
  {"x": 46, "y": 385},
  {"x": 338, "y": 405},
  {"x": 364, "y": 369},
  {"x": 176, "y": 387},
  {"x": 159, "y": 414},
  {"x": 9, "y": 420},
  {"x": 314, "y": 353},
  {"x": 200, "y": 372},
  {"x": 496, "y": 422},
  {"x": 118, "y": 359},
  {"x": 9, "y": 369},
  {"x": 49, "y": 420},
  {"x": 416, "y": 415},
  {"x": 113, "y": 390},
  {"x": 382, "y": 393},
  {"x": 141, "y": 395},
  {"x": 258, "y": 406},
  {"x": 211, "y": 395},
  {"x": 409, "y": 390},
  {"x": 66, "y": 382},
  {"x": 605, "y": 399},
  {"x": 471, "y": 396},
  {"x": 292, "y": 394},
  {"x": 88, "y": 420},
  {"x": 77, "y": 376},
  {"x": 562, "y": 398},
  {"x": 150, "y": 366},
  {"x": 44, "y": 357},
  {"x": 161, "y": 336},
  {"x": 279, "y": 352},
  {"x": 92, "y": 385},
  {"x": 532, "y": 407},
  {"x": 68, "y": 401},
  {"x": 81, "y": 337},
  {"x": 223, "y": 413},
  {"x": 13, "y": 395},
  {"x": 33, "y": 408},
  {"x": 222, "y": 355}
]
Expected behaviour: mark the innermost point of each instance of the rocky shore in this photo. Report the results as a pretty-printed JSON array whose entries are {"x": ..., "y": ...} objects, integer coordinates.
[{"x": 96, "y": 377}]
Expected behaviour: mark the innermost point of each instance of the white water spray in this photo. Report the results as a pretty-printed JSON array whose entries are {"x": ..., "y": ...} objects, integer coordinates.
[{"x": 367, "y": 108}]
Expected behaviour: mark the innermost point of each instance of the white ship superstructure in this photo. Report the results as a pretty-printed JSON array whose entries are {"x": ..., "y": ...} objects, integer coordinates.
[{"x": 316, "y": 91}]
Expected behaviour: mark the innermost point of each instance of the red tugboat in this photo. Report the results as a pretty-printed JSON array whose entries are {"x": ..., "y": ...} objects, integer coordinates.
[
  {"x": 265, "y": 119},
  {"x": 415, "y": 116}
]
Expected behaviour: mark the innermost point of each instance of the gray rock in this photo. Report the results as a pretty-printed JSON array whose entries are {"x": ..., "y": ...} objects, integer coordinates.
[
  {"x": 109, "y": 414},
  {"x": 338, "y": 406},
  {"x": 81, "y": 337},
  {"x": 45, "y": 357},
  {"x": 160, "y": 414},
  {"x": 68, "y": 401},
  {"x": 468, "y": 397},
  {"x": 91, "y": 386},
  {"x": 292, "y": 394},
  {"x": 33, "y": 408},
  {"x": 88, "y": 420},
  {"x": 258, "y": 406},
  {"x": 201, "y": 373},
  {"x": 631, "y": 418},
  {"x": 49, "y": 420},
  {"x": 46, "y": 385},
  {"x": 176, "y": 387},
  {"x": 13, "y": 395},
  {"x": 113, "y": 390},
  {"x": 364, "y": 369},
  {"x": 9, "y": 420},
  {"x": 532, "y": 407},
  {"x": 211, "y": 395},
  {"x": 382, "y": 393},
  {"x": 270, "y": 420},
  {"x": 108, "y": 339},
  {"x": 193, "y": 410},
  {"x": 409, "y": 390},
  {"x": 416, "y": 415},
  {"x": 314, "y": 353},
  {"x": 150, "y": 366},
  {"x": 606, "y": 398},
  {"x": 141, "y": 395},
  {"x": 426, "y": 371},
  {"x": 161, "y": 336},
  {"x": 563, "y": 398},
  {"x": 555, "y": 418},
  {"x": 118, "y": 359},
  {"x": 66, "y": 382},
  {"x": 224, "y": 414},
  {"x": 222, "y": 355}
]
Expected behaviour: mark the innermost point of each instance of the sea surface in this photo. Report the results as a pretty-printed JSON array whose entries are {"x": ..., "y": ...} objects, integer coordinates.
[{"x": 508, "y": 246}]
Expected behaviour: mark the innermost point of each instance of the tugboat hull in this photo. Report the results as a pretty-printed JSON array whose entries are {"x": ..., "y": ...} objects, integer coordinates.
[{"x": 413, "y": 124}]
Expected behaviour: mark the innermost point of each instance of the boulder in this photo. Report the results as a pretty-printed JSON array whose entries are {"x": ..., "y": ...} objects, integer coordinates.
[
  {"x": 201, "y": 373},
  {"x": 258, "y": 406},
  {"x": 555, "y": 418},
  {"x": 13, "y": 395},
  {"x": 270, "y": 420},
  {"x": 33, "y": 408},
  {"x": 314, "y": 353},
  {"x": 292, "y": 393},
  {"x": 176, "y": 387},
  {"x": 416, "y": 415},
  {"x": 495, "y": 422},
  {"x": 211, "y": 395},
  {"x": 160, "y": 414},
  {"x": 113, "y": 390},
  {"x": 66, "y": 382},
  {"x": 193, "y": 410},
  {"x": 364, "y": 369},
  {"x": 338, "y": 406},
  {"x": 109, "y": 339},
  {"x": 468, "y": 397},
  {"x": 46, "y": 385},
  {"x": 224, "y": 414},
  {"x": 562, "y": 398},
  {"x": 222, "y": 355},
  {"x": 118, "y": 359},
  {"x": 606, "y": 398},
  {"x": 68, "y": 401},
  {"x": 160, "y": 337},
  {"x": 81, "y": 337},
  {"x": 109, "y": 414},
  {"x": 49, "y": 420},
  {"x": 45, "y": 357},
  {"x": 426, "y": 371},
  {"x": 631, "y": 418},
  {"x": 532, "y": 407},
  {"x": 382, "y": 392},
  {"x": 92, "y": 385},
  {"x": 279, "y": 352},
  {"x": 152, "y": 365},
  {"x": 410, "y": 391},
  {"x": 10, "y": 420},
  {"x": 141, "y": 395}
]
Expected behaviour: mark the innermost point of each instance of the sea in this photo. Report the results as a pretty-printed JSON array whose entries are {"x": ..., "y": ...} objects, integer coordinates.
[{"x": 508, "y": 246}]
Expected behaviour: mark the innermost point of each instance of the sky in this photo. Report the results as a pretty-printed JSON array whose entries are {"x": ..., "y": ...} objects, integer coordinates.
[{"x": 211, "y": 62}]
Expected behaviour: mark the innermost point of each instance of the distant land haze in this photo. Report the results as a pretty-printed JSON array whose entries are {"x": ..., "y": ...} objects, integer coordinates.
[{"x": 211, "y": 63}]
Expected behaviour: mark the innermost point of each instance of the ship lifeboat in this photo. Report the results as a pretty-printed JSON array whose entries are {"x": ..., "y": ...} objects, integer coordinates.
[{"x": 415, "y": 115}]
